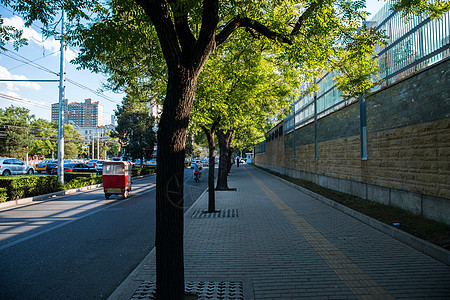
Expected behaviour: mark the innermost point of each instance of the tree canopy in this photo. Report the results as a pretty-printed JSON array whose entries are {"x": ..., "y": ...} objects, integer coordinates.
[
  {"x": 135, "y": 128},
  {"x": 315, "y": 37}
]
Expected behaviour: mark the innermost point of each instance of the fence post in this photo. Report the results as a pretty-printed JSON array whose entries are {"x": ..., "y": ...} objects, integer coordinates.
[{"x": 363, "y": 126}]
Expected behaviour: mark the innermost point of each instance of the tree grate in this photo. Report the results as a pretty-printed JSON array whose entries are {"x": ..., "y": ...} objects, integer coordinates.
[
  {"x": 219, "y": 213},
  {"x": 203, "y": 290}
]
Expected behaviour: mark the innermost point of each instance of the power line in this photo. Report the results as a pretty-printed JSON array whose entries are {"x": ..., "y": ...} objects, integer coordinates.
[
  {"x": 20, "y": 100},
  {"x": 81, "y": 86},
  {"x": 29, "y": 62},
  {"x": 44, "y": 56},
  {"x": 77, "y": 84}
]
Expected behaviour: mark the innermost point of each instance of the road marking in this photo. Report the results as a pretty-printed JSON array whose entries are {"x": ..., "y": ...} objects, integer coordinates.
[
  {"x": 62, "y": 224},
  {"x": 356, "y": 279}
]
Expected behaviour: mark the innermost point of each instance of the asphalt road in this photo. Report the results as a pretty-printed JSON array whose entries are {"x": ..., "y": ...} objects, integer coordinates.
[{"x": 80, "y": 246}]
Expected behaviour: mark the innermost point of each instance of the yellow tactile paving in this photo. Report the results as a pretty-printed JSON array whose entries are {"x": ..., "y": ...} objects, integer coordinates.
[{"x": 358, "y": 281}]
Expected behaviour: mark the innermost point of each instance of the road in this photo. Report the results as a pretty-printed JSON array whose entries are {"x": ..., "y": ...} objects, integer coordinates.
[{"x": 80, "y": 246}]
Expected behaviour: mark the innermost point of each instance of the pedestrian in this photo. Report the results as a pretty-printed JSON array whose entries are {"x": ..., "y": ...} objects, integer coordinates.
[{"x": 237, "y": 161}]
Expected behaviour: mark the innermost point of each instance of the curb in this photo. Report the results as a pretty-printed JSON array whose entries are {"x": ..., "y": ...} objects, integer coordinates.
[
  {"x": 13, "y": 203},
  {"x": 423, "y": 246},
  {"x": 129, "y": 286}
]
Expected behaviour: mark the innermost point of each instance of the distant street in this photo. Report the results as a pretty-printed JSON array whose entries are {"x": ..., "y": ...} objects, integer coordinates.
[{"x": 80, "y": 246}]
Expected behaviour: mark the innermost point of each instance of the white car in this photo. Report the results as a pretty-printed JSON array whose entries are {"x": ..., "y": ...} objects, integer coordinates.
[
  {"x": 99, "y": 165},
  {"x": 13, "y": 166}
]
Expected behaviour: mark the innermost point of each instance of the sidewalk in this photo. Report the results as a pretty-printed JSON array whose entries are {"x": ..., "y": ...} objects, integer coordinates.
[{"x": 271, "y": 241}]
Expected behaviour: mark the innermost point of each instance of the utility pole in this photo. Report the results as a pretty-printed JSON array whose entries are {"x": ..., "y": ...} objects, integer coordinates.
[
  {"x": 62, "y": 71},
  {"x": 98, "y": 147}
]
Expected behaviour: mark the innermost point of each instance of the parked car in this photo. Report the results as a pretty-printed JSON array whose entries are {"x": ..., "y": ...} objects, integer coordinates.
[
  {"x": 92, "y": 163},
  {"x": 13, "y": 166},
  {"x": 42, "y": 166},
  {"x": 78, "y": 167},
  {"x": 151, "y": 162},
  {"x": 205, "y": 162},
  {"x": 99, "y": 166},
  {"x": 52, "y": 168},
  {"x": 137, "y": 163}
]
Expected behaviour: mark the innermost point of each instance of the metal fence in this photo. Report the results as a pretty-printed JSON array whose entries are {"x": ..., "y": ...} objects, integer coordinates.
[{"x": 413, "y": 44}]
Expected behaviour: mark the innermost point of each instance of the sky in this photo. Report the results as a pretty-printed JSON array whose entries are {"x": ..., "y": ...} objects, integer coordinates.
[{"x": 40, "y": 60}]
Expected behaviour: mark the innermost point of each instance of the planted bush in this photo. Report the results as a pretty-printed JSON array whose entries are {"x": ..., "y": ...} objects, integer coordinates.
[
  {"x": 3, "y": 194},
  {"x": 29, "y": 185},
  {"x": 78, "y": 180},
  {"x": 144, "y": 171}
]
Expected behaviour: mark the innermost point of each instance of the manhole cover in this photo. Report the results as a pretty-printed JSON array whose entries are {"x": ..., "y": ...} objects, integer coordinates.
[
  {"x": 219, "y": 213},
  {"x": 204, "y": 290}
]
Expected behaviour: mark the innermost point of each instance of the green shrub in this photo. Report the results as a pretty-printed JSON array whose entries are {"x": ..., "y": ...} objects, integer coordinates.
[
  {"x": 148, "y": 170},
  {"x": 144, "y": 171},
  {"x": 29, "y": 185},
  {"x": 77, "y": 180},
  {"x": 3, "y": 194},
  {"x": 68, "y": 177},
  {"x": 17, "y": 187}
]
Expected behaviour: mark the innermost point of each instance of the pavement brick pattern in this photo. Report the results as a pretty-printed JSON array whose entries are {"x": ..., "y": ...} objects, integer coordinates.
[{"x": 283, "y": 244}]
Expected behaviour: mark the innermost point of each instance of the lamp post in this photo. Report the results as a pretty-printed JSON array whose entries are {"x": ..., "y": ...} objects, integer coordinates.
[{"x": 62, "y": 71}]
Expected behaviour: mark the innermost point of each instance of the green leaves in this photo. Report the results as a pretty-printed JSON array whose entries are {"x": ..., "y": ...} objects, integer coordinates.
[
  {"x": 9, "y": 33},
  {"x": 422, "y": 7},
  {"x": 243, "y": 86},
  {"x": 135, "y": 128}
]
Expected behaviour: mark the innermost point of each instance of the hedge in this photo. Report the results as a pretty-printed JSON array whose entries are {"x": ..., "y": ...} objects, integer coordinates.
[
  {"x": 17, "y": 187},
  {"x": 29, "y": 185},
  {"x": 143, "y": 171}
]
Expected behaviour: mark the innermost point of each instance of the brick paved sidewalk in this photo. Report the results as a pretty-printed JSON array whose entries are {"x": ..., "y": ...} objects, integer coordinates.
[{"x": 271, "y": 241}]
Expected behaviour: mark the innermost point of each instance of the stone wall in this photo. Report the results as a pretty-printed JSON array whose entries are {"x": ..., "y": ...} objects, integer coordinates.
[{"x": 408, "y": 146}]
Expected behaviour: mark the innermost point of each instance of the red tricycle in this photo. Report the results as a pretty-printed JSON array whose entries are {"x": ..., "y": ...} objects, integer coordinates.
[{"x": 116, "y": 178}]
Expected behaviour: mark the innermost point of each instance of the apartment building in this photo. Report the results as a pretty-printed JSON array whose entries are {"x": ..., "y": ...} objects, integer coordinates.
[{"x": 85, "y": 114}]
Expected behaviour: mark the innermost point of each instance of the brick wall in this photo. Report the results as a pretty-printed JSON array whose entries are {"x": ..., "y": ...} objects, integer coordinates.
[{"x": 408, "y": 163}]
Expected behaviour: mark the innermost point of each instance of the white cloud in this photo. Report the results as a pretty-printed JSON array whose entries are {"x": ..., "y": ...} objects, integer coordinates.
[
  {"x": 36, "y": 38},
  {"x": 15, "y": 86}
]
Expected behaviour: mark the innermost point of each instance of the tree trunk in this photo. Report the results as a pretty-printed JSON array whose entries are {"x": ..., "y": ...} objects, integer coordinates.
[
  {"x": 230, "y": 158},
  {"x": 169, "y": 184},
  {"x": 212, "y": 149},
  {"x": 185, "y": 57},
  {"x": 224, "y": 145}
]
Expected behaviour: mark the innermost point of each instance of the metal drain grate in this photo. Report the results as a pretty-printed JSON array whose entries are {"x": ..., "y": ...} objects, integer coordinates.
[
  {"x": 204, "y": 290},
  {"x": 219, "y": 213}
]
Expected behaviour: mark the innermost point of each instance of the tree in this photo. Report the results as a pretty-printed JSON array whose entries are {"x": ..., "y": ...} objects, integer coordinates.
[
  {"x": 113, "y": 148},
  {"x": 9, "y": 33},
  {"x": 45, "y": 136},
  {"x": 73, "y": 142},
  {"x": 315, "y": 36},
  {"x": 242, "y": 86},
  {"x": 15, "y": 138},
  {"x": 135, "y": 129}
]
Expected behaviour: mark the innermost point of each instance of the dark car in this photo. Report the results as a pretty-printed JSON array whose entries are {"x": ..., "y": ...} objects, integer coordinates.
[
  {"x": 78, "y": 167},
  {"x": 69, "y": 167}
]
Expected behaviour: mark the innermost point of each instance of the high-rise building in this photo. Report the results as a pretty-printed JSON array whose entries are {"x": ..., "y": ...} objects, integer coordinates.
[{"x": 87, "y": 114}]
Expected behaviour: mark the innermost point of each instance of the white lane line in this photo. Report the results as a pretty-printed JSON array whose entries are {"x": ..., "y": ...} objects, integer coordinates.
[{"x": 60, "y": 225}]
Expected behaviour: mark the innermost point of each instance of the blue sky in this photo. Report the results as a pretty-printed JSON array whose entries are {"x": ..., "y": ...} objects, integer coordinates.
[{"x": 44, "y": 56}]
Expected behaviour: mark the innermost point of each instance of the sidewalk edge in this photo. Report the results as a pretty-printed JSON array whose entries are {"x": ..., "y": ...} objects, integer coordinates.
[
  {"x": 129, "y": 286},
  {"x": 419, "y": 244}
]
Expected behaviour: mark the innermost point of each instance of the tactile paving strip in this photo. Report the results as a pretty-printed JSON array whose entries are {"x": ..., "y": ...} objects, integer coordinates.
[
  {"x": 219, "y": 213},
  {"x": 204, "y": 290}
]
